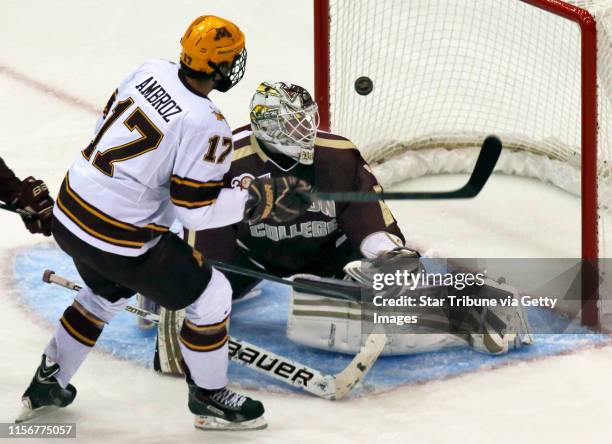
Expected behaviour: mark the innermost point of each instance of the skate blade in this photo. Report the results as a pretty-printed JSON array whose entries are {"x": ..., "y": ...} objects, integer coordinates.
[
  {"x": 28, "y": 414},
  {"x": 213, "y": 423}
]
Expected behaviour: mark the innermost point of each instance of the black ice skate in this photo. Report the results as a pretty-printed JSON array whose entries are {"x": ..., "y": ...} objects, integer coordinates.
[
  {"x": 225, "y": 410},
  {"x": 44, "y": 393}
]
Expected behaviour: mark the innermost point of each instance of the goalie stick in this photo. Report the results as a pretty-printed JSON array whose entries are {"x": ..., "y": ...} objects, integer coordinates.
[
  {"x": 300, "y": 284},
  {"x": 327, "y": 386},
  {"x": 489, "y": 153}
]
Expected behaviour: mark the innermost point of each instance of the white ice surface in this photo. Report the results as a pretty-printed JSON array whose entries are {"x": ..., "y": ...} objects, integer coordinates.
[{"x": 83, "y": 48}]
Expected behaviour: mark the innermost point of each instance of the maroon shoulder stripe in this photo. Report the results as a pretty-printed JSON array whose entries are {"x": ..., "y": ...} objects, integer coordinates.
[
  {"x": 330, "y": 136},
  {"x": 242, "y": 142},
  {"x": 241, "y": 129}
]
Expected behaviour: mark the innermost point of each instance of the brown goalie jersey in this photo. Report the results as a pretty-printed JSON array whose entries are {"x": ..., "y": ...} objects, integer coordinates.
[{"x": 319, "y": 241}]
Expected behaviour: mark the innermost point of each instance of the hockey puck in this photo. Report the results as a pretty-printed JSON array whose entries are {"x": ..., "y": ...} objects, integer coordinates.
[{"x": 364, "y": 85}]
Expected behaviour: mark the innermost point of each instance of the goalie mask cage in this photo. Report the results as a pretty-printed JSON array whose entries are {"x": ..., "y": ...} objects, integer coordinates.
[{"x": 447, "y": 72}]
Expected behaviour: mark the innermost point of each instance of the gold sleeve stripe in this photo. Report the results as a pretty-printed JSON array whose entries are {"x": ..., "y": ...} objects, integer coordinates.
[
  {"x": 156, "y": 227},
  {"x": 195, "y": 183},
  {"x": 184, "y": 203},
  {"x": 338, "y": 144},
  {"x": 111, "y": 240}
]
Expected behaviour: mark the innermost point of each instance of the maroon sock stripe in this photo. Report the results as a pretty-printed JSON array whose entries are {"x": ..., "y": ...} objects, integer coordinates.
[
  {"x": 79, "y": 327},
  {"x": 91, "y": 317},
  {"x": 204, "y": 339}
]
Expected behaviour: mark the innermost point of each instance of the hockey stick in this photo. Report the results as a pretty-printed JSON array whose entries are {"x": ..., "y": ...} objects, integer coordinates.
[
  {"x": 23, "y": 213},
  {"x": 240, "y": 270},
  {"x": 311, "y": 287},
  {"x": 489, "y": 153},
  {"x": 332, "y": 387}
]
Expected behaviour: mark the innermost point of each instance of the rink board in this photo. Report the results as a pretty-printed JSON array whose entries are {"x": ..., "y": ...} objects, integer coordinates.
[{"x": 263, "y": 321}]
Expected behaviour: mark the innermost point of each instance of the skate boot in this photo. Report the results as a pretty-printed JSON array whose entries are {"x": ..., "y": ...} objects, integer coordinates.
[
  {"x": 225, "y": 409},
  {"x": 44, "y": 393}
]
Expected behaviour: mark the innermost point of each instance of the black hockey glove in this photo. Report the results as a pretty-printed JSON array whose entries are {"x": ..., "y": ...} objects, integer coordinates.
[
  {"x": 280, "y": 199},
  {"x": 33, "y": 196}
]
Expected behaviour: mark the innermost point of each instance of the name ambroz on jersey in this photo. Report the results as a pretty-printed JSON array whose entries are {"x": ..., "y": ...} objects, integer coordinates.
[
  {"x": 313, "y": 228},
  {"x": 157, "y": 96}
]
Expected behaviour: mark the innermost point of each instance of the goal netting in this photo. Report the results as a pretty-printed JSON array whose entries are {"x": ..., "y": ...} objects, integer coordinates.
[{"x": 446, "y": 73}]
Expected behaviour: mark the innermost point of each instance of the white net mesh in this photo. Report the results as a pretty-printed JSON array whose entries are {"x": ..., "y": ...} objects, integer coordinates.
[{"x": 448, "y": 72}]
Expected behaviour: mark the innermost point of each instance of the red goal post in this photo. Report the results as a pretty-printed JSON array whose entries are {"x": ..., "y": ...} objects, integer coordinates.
[{"x": 339, "y": 45}]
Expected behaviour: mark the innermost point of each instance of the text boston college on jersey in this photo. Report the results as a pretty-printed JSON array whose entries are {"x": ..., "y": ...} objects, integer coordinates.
[
  {"x": 311, "y": 228},
  {"x": 159, "y": 99}
]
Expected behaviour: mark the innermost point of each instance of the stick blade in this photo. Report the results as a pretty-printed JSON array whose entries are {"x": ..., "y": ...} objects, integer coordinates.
[
  {"x": 489, "y": 154},
  {"x": 361, "y": 364}
]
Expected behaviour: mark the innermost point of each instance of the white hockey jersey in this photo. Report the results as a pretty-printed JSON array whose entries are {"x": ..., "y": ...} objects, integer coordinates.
[{"x": 159, "y": 153}]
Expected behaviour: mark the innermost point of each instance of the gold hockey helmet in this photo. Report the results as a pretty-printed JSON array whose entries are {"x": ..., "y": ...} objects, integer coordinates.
[{"x": 212, "y": 45}]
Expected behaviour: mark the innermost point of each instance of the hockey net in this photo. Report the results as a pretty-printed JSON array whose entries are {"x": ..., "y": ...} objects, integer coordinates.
[{"x": 446, "y": 73}]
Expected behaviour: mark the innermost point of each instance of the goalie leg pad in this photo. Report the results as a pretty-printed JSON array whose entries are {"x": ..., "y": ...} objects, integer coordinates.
[
  {"x": 335, "y": 325},
  {"x": 502, "y": 328}
]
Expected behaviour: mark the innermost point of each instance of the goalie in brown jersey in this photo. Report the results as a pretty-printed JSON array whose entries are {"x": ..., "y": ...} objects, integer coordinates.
[{"x": 283, "y": 140}]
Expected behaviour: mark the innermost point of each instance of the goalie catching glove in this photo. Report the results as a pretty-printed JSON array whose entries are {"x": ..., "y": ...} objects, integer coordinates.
[
  {"x": 492, "y": 329},
  {"x": 280, "y": 199},
  {"x": 400, "y": 258}
]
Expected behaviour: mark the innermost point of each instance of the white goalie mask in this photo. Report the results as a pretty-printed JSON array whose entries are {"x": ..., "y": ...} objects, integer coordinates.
[{"x": 286, "y": 118}]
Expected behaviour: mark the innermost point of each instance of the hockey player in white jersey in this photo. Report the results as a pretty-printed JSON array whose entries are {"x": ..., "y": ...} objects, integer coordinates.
[{"x": 159, "y": 152}]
